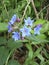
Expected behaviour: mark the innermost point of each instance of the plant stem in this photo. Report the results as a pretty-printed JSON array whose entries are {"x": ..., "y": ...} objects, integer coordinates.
[
  {"x": 36, "y": 13},
  {"x": 9, "y": 56},
  {"x": 43, "y": 9},
  {"x": 5, "y": 8},
  {"x": 24, "y": 12}
]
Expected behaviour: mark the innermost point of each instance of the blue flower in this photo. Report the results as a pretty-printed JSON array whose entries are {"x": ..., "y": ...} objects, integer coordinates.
[
  {"x": 37, "y": 29},
  {"x": 28, "y": 22},
  {"x": 9, "y": 28},
  {"x": 13, "y": 20},
  {"x": 16, "y": 36},
  {"x": 25, "y": 31}
]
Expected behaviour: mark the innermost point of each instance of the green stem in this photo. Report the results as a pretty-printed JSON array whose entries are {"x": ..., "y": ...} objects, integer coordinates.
[
  {"x": 6, "y": 63},
  {"x": 5, "y": 8},
  {"x": 24, "y": 13}
]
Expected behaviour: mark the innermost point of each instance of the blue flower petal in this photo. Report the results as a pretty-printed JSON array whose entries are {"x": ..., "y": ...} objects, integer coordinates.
[
  {"x": 25, "y": 31},
  {"x": 37, "y": 29},
  {"x": 9, "y": 28},
  {"x": 28, "y": 22},
  {"x": 13, "y": 19},
  {"x": 16, "y": 36}
]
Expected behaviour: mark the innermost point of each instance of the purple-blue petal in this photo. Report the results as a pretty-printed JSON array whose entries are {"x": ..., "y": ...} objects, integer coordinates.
[
  {"x": 16, "y": 36},
  {"x": 9, "y": 28},
  {"x": 13, "y": 19},
  {"x": 28, "y": 21},
  {"x": 37, "y": 29},
  {"x": 25, "y": 31}
]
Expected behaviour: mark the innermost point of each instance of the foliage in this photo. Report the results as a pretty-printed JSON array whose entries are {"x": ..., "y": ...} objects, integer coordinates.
[{"x": 23, "y": 31}]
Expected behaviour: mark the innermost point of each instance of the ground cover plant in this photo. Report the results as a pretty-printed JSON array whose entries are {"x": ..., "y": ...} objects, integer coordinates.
[{"x": 24, "y": 32}]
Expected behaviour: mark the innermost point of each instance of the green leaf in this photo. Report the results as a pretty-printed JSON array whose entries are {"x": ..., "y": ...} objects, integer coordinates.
[
  {"x": 37, "y": 52},
  {"x": 48, "y": 32},
  {"x": 37, "y": 3},
  {"x": 6, "y": 1},
  {"x": 30, "y": 54},
  {"x": 36, "y": 40},
  {"x": 3, "y": 40},
  {"x": 12, "y": 44},
  {"x": 46, "y": 54},
  {"x": 41, "y": 36},
  {"x": 13, "y": 62},
  {"x": 39, "y": 39},
  {"x": 3, "y": 27},
  {"x": 40, "y": 57},
  {"x": 29, "y": 10},
  {"x": 32, "y": 31},
  {"x": 45, "y": 28},
  {"x": 40, "y": 21},
  {"x": 34, "y": 63},
  {"x": 47, "y": 62},
  {"x": 3, "y": 55}
]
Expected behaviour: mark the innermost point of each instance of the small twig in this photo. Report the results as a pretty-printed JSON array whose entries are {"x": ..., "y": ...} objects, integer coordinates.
[
  {"x": 36, "y": 13},
  {"x": 43, "y": 9},
  {"x": 25, "y": 10},
  {"x": 23, "y": 15}
]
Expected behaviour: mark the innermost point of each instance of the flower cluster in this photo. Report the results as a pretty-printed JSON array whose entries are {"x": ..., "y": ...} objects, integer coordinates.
[
  {"x": 11, "y": 22},
  {"x": 26, "y": 30},
  {"x": 16, "y": 35}
]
